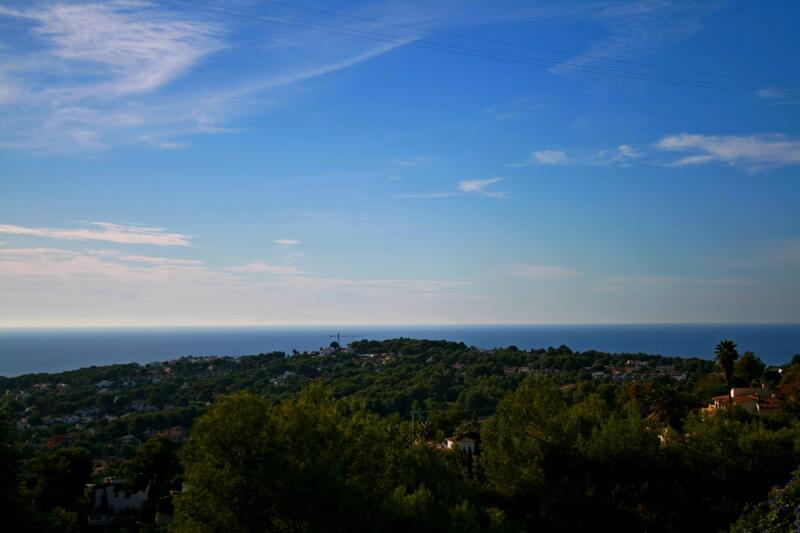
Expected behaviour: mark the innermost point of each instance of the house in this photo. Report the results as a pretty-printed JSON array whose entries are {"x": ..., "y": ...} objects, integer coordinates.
[
  {"x": 741, "y": 392},
  {"x": 113, "y": 495},
  {"x": 461, "y": 443},
  {"x": 104, "y": 384},
  {"x": 755, "y": 401},
  {"x": 767, "y": 405}
]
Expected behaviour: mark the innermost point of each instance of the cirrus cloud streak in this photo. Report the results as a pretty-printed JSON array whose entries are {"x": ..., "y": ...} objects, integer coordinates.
[{"x": 105, "y": 231}]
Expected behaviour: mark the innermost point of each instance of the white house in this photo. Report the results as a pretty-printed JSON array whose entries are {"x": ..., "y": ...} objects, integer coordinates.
[
  {"x": 115, "y": 495},
  {"x": 755, "y": 401}
]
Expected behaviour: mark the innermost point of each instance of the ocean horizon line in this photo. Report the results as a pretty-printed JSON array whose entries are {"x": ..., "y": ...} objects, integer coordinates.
[
  {"x": 391, "y": 325},
  {"x": 31, "y": 350}
]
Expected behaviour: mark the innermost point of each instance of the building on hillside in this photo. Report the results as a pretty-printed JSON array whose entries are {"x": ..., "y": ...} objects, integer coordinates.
[
  {"x": 114, "y": 495},
  {"x": 756, "y": 401}
]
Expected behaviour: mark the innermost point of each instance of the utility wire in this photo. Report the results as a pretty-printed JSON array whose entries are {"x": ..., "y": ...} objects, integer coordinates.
[
  {"x": 453, "y": 49},
  {"x": 527, "y": 46},
  {"x": 393, "y": 39}
]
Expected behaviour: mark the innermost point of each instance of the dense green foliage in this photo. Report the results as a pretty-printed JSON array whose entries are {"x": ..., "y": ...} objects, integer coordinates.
[
  {"x": 313, "y": 464},
  {"x": 353, "y": 440},
  {"x": 546, "y": 463},
  {"x": 780, "y": 512},
  {"x": 546, "y": 458}
]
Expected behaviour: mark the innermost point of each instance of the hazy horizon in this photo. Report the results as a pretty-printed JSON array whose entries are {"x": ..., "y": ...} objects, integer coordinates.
[{"x": 394, "y": 324}]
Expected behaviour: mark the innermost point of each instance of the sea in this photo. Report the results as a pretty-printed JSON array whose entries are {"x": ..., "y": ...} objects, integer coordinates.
[{"x": 25, "y": 351}]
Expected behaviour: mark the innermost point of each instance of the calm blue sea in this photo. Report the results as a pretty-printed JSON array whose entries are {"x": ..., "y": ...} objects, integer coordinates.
[{"x": 25, "y": 351}]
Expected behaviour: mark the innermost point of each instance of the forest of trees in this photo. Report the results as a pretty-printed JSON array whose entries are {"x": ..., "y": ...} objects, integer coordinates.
[{"x": 555, "y": 451}]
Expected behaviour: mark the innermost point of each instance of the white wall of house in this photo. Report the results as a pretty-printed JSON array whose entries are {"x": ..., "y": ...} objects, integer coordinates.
[{"x": 119, "y": 497}]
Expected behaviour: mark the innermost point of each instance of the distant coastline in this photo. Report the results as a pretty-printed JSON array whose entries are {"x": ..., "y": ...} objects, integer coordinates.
[{"x": 31, "y": 350}]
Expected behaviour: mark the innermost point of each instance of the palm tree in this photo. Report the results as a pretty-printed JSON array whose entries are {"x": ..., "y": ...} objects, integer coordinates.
[{"x": 726, "y": 356}]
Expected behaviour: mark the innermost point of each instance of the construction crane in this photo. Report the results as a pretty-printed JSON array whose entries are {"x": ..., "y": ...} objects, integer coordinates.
[{"x": 339, "y": 337}]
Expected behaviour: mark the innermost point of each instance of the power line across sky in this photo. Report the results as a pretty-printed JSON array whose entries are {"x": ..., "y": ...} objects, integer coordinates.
[
  {"x": 634, "y": 70},
  {"x": 528, "y": 46}
]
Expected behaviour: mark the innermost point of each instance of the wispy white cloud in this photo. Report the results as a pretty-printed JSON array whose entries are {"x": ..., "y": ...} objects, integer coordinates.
[
  {"x": 420, "y": 285},
  {"x": 480, "y": 187},
  {"x": 622, "y": 155},
  {"x": 47, "y": 285},
  {"x": 104, "y": 231},
  {"x": 769, "y": 93},
  {"x": 425, "y": 195},
  {"x": 131, "y": 46},
  {"x": 299, "y": 75},
  {"x": 465, "y": 187},
  {"x": 22, "y": 265},
  {"x": 86, "y": 76},
  {"x": 44, "y": 286},
  {"x": 95, "y": 75},
  {"x": 670, "y": 282},
  {"x": 286, "y": 242},
  {"x": 147, "y": 259},
  {"x": 549, "y": 157},
  {"x": 776, "y": 96},
  {"x": 625, "y": 150},
  {"x": 91, "y": 69},
  {"x": 56, "y": 263},
  {"x": 9, "y": 93},
  {"x": 753, "y": 152},
  {"x": 261, "y": 267},
  {"x": 541, "y": 272},
  {"x": 635, "y": 28},
  {"x": 416, "y": 161}
]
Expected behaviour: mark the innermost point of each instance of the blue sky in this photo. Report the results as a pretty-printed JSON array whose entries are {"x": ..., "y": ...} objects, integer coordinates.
[{"x": 227, "y": 162}]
